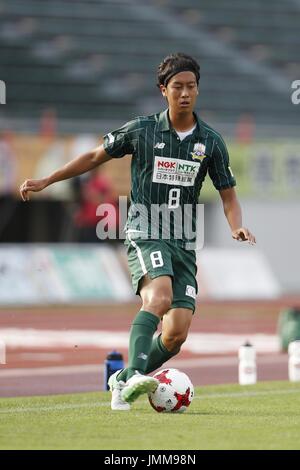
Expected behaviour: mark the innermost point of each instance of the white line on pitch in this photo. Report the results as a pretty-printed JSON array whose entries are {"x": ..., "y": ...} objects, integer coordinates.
[{"x": 74, "y": 406}]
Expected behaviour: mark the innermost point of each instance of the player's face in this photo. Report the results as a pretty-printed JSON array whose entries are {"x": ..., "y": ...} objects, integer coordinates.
[{"x": 181, "y": 92}]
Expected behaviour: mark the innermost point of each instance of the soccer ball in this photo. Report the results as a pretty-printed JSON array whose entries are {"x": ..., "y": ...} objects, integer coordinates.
[{"x": 174, "y": 393}]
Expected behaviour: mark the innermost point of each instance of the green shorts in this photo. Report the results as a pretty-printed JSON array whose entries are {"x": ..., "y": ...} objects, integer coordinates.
[{"x": 161, "y": 258}]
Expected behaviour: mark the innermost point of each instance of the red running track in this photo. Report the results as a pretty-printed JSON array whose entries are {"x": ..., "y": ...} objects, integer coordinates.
[{"x": 71, "y": 370}]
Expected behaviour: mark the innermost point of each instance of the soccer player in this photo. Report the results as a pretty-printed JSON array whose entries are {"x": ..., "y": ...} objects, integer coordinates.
[{"x": 172, "y": 152}]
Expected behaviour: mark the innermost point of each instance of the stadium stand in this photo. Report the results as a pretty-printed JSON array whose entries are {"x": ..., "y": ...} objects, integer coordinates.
[{"x": 94, "y": 62}]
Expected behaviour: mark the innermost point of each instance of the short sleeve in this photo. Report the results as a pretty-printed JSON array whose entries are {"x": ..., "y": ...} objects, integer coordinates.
[
  {"x": 117, "y": 143},
  {"x": 219, "y": 168}
]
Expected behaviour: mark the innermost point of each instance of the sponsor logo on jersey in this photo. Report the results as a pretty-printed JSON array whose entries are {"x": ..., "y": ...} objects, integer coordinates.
[
  {"x": 160, "y": 145},
  {"x": 175, "y": 171},
  {"x": 198, "y": 152}
]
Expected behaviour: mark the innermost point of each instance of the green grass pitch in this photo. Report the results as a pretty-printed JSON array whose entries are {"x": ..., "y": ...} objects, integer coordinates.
[{"x": 262, "y": 416}]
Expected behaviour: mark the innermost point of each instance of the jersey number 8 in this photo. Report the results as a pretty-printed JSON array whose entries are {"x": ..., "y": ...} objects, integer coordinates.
[{"x": 174, "y": 197}]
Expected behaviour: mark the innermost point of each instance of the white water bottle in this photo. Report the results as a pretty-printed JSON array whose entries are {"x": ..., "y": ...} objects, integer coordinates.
[
  {"x": 294, "y": 361},
  {"x": 247, "y": 364}
]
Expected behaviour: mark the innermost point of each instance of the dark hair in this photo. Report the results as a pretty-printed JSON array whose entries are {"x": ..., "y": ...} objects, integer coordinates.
[{"x": 176, "y": 63}]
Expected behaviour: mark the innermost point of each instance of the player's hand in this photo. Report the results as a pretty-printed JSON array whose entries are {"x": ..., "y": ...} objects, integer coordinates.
[
  {"x": 32, "y": 186},
  {"x": 243, "y": 234}
]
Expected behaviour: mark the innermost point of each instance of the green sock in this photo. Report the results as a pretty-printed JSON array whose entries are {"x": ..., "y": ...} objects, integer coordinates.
[
  {"x": 159, "y": 354},
  {"x": 141, "y": 335}
]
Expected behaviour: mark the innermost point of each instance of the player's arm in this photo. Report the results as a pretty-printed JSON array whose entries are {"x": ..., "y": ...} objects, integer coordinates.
[
  {"x": 76, "y": 167},
  {"x": 233, "y": 213}
]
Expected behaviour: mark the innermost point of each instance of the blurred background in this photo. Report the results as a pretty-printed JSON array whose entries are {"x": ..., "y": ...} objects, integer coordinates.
[{"x": 75, "y": 70}]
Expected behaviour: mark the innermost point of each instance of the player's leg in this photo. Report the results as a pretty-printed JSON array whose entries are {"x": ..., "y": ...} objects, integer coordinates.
[
  {"x": 175, "y": 329},
  {"x": 128, "y": 384},
  {"x": 151, "y": 270},
  {"x": 177, "y": 321},
  {"x": 156, "y": 295}
]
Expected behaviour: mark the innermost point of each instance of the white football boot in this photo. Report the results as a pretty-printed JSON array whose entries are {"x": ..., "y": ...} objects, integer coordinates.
[
  {"x": 116, "y": 387},
  {"x": 137, "y": 385}
]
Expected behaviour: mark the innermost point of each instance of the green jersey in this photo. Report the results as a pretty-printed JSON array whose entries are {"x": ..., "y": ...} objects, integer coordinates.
[{"x": 167, "y": 174}]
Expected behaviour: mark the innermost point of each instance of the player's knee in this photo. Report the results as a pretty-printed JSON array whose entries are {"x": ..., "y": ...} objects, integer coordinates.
[{"x": 158, "y": 303}]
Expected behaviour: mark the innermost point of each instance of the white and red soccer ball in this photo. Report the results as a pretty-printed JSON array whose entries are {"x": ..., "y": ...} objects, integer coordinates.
[{"x": 174, "y": 393}]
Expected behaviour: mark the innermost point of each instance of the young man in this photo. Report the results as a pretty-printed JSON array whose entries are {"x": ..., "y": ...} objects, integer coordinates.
[{"x": 171, "y": 154}]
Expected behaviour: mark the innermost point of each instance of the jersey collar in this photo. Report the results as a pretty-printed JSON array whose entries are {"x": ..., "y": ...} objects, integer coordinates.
[{"x": 164, "y": 122}]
